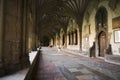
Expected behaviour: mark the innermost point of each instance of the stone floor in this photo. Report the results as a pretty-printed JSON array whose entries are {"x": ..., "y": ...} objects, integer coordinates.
[
  {"x": 98, "y": 64},
  {"x": 20, "y": 75},
  {"x": 74, "y": 67},
  {"x": 46, "y": 69},
  {"x": 114, "y": 59},
  {"x": 61, "y": 65}
]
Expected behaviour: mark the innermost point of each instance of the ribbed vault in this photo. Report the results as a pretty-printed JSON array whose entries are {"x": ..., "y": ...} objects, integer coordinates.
[{"x": 52, "y": 15}]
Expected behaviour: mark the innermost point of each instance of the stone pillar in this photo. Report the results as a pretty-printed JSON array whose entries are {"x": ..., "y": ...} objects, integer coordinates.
[
  {"x": 74, "y": 42},
  {"x": 78, "y": 37},
  {"x": 71, "y": 39},
  {"x": 25, "y": 50},
  {"x": 34, "y": 25},
  {"x": 14, "y": 47},
  {"x": 1, "y": 37},
  {"x": 37, "y": 43},
  {"x": 12, "y": 36},
  {"x": 51, "y": 42},
  {"x": 54, "y": 41},
  {"x": 67, "y": 37},
  {"x": 61, "y": 40},
  {"x": 66, "y": 40},
  {"x": 31, "y": 15},
  {"x": 31, "y": 38}
]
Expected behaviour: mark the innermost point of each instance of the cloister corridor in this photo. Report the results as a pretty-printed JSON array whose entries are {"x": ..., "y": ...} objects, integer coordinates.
[{"x": 59, "y": 39}]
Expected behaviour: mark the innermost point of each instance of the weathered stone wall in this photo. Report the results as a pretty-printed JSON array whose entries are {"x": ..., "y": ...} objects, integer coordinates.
[
  {"x": 71, "y": 28},
  {"x": 31, "y": 26},
  {"x": 13, "y": 35},
  {"x": 89, "y": 23},
  {"x": 115, "y": 46},
  {"x": 1, "y": 38}
]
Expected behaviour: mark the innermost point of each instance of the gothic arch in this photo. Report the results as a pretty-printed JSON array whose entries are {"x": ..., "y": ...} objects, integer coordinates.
[
  {"x": 101, "y": 18},
  {"x": 102, "y": 43},
  {"x": 101, "y": 28}
]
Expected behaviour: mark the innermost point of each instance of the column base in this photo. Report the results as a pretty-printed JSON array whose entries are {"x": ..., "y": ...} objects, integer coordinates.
[
  {"x": 25, "y": 63},
  {"x": 2, "y": 71},
  {"x": 9, "y": 68}
]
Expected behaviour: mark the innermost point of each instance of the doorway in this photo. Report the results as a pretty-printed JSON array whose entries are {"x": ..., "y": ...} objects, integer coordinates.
[
  {"x": 101, "y": 20},
  {"x": 102, "y": 44}
]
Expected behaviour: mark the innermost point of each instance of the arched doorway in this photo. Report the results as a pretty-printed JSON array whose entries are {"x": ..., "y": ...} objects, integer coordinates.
[
  {"x": 76, "y": 37},
  {"x": 63, "y": 40},
  {"x": 101, "y": 20},
  {"x": 102, "y": 44}
]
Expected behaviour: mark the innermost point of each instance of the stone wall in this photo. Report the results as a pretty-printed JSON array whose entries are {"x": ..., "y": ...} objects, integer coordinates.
[
  {"x": 89, "y": 19},
  {"x": 1, "y": 38},
  {"x": 13, "y": 35}
]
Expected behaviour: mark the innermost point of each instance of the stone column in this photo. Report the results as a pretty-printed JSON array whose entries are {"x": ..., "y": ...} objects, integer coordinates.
[
  {"x": 61, "y": 40},
  {"x": 34, "y": 25},
  {"x": 51, "y": 42},
  {"x": 56, "y": 41},
  {"x": 66, "y": 40},
  {"x": 12, "y": 47},
  {"x": 1, "y": 37},
  {"x": 78, "y": 35},
  {"x": 25, "y": 50},
  {"x": 31, "y": 35},
  {"x": 31, "y": 12},
  {"x": 71, "y": 39},
  {"x": 37, "y": 42},
  {"x": 74, "y": 38}
]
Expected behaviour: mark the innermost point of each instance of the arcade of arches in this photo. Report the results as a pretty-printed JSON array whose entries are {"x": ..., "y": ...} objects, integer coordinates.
[{"x": 26, "y": 24}]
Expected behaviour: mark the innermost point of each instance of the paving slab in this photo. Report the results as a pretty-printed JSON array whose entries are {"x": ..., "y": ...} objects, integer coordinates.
[{"x": 71, "y": 67}]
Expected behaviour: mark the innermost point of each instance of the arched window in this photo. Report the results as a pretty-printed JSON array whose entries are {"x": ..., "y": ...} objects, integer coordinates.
[
  {"x": 101, "y": 18},
  {"x": 72, "y": 35},
  {"x": 63, "y": 40},
  {"x": 76, "y": 37},
  {"x": 69, "y": 39}
]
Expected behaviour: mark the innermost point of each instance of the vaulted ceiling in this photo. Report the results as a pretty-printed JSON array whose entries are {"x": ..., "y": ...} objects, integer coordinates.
[{"x": 52, "y": 15}]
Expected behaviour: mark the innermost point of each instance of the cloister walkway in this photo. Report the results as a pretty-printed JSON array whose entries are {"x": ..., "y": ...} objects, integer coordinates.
[{"x": 60, "y": 65}]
